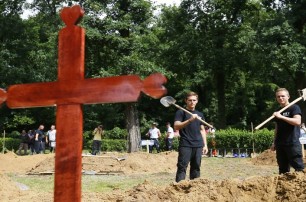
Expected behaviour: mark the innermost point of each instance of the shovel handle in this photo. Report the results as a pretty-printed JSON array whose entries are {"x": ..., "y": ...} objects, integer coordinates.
[
  {"x": 280, "y": 111},
  {"x": 207, "y": 124}
]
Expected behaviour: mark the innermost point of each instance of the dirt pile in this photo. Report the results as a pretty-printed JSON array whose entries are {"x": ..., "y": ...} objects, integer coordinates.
[
  {"x": 288, "y": 187},
  {"x": 128, "y": 163},
  {"x": 267, "y": 157}
]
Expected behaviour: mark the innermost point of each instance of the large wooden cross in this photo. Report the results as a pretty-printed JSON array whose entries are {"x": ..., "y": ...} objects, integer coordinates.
[{"x": 69, "y": 93}]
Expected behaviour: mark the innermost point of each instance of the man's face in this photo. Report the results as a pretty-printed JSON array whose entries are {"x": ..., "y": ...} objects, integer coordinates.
[
  {"x": 282, "y": 98},
  {"x": 191, "y": 102}
]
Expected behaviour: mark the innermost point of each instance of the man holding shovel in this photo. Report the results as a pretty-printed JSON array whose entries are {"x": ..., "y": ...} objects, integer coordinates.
[
  {"x": 193, "y": 141},
  {"x": 287, "y": 133}
]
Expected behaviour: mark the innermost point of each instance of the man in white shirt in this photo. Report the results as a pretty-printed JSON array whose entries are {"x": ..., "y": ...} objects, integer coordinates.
[
  {"x": 169, "y": 138},
  {"x": 51, "y": 134},
  {"x": 154, "y": 134}
]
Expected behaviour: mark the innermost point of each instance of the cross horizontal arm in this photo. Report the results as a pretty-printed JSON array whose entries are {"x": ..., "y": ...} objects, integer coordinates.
[{"x": 87, "y": 91}]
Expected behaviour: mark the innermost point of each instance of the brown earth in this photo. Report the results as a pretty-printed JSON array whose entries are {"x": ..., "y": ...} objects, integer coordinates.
[{"x": 258, "y": 184}]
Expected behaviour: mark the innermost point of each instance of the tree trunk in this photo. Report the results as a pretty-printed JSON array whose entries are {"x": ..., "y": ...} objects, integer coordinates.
[{"x": 132, "y": 125}]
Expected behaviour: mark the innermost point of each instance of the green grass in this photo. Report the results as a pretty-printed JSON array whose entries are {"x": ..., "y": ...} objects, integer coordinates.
[{"x": 212, "y": 168}]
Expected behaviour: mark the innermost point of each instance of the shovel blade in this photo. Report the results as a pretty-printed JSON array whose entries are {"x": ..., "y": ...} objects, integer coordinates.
[{"x": 167, "y": 101}]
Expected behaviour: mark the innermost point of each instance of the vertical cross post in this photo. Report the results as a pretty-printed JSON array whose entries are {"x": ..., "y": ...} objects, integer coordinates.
[{"x": 69, "y": 116}]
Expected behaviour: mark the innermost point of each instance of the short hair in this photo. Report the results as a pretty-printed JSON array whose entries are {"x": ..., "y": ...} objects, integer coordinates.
[
  {"x": 191, "y": 93},
  {"x": 282, "y": 89}
]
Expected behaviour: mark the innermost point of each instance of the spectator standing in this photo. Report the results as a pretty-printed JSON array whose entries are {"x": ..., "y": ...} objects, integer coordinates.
[
  {"x": 154, "y": 134},
  {"x": 44, "y": 143},
  {"x": 24, "y": 138},
  {"x": 39, "y": 135},
  {"x": 31, "y": 135},
  {"x": 169, "y": 137},
  {"x": 193, "y": 141},
  {"x": 97, "y": 140},
  {"x": 287, "y": 134},
  {"x": 51, "y": 137}
]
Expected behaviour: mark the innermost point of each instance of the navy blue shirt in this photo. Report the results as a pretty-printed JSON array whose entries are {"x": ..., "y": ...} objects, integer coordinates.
[
  {"x": 190, "y": 135},
  {"x": 288, "y": 134},
  {"x": 40, "y": 135}
]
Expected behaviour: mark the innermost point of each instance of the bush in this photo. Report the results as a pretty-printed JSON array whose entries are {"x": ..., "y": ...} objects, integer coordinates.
[
  {"x": 11, "y": 144},
  {"x": 114, "y": 145},
  {"x": 115, "y": 140},
  {"x": 234, "y": 138},
  {"x": 116, "y": 133}
]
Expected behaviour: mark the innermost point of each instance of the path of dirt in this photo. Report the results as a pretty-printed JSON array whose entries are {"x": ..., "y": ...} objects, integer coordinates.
[{"x": 288, "y": 187}]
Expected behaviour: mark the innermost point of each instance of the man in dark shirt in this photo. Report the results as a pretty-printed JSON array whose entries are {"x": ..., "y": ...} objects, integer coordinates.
[
  {"x": 39, "y": 135},
  {"x": 287, "y": 133},
  {"x": 193, "y": 141}
]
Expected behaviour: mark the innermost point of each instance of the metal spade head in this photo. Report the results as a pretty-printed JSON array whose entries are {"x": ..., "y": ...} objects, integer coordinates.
[{"x": 167, "y": 101}]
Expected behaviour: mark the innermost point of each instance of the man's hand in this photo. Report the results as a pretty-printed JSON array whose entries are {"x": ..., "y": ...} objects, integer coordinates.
[
  {"x": 277, "y": 115},
  {"x": 205, "y": 150}
]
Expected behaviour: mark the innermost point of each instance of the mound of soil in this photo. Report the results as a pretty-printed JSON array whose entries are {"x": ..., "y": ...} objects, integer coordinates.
[
  {"x": 128, "y": 163},
  {"x": 287, "y": 187},
  {"x": 267, "y": 157}
]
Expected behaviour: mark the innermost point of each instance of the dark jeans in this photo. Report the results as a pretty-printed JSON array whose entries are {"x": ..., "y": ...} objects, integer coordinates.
[
  {"x": 289, "y": 156},
  {"x": 31, "y": 147},
  {"x": 186, "y": 155},
  {"x": 156, "y": 145},
  {"x": 37, "y": 147},
  {"x": 169, "y": 142},
  {"x": 96, "y": 147},
  {"x": 43, "y": 147}
]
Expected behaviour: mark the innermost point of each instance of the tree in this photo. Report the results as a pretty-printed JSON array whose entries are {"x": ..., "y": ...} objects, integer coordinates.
[{"x": 120, "y": 40}]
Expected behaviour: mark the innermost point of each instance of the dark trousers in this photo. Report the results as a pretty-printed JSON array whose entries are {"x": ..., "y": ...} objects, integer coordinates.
[
  {"x": 186, "y": 155},
  {"x": 31, "y": 147},
  {"x": 289, "y": 156},
  {"x": 23, "y": 146},
  {"x": 169, "y": 142},
  {"x": 37, "y": 147},
  {"x": 96, "y": 147},
  {"x": 156, "y": 145}
]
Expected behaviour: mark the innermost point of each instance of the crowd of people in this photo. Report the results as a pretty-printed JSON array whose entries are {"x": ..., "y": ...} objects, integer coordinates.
[{"x": 37, "y": 140}]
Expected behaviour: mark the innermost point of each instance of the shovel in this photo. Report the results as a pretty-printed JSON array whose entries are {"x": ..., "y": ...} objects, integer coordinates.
[
  {"x": 302, "y": 96},
  {"x": 168, "y": 100}
]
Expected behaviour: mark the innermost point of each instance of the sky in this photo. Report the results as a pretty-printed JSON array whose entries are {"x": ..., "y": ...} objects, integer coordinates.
[
  {"x": 168, "y": 2},
  {"x": 158, "y": 2}
]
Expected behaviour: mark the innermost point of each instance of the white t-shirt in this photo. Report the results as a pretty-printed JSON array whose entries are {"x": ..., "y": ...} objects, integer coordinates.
[
  {"x": 52, "y": 135},
  {"x": 170, "y": 131},
  {"x": 154, "y": 132}
]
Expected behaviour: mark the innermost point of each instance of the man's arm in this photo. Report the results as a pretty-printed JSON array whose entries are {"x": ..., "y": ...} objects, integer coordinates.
[
  {"x": 295, "y": 120},
  {"x": 273, "y": 143},
  {"x": 179, "y": 125},
  {"x": 203, "y": 133}
]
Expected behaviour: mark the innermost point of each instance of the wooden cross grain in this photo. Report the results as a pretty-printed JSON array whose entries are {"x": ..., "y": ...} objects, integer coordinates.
[{"x": 69, "y": 93}]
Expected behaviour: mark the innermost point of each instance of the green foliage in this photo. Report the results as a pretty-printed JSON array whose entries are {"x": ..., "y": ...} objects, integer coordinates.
[
  {"x": 20, "y": 120},
  {"x": 234, "y": 138},
  {"x": 116, "y": 133},
  {"x": 114, "y": 145},
  {"x": 11, "y": 144},
  {"x": 14, "y": 134}
]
